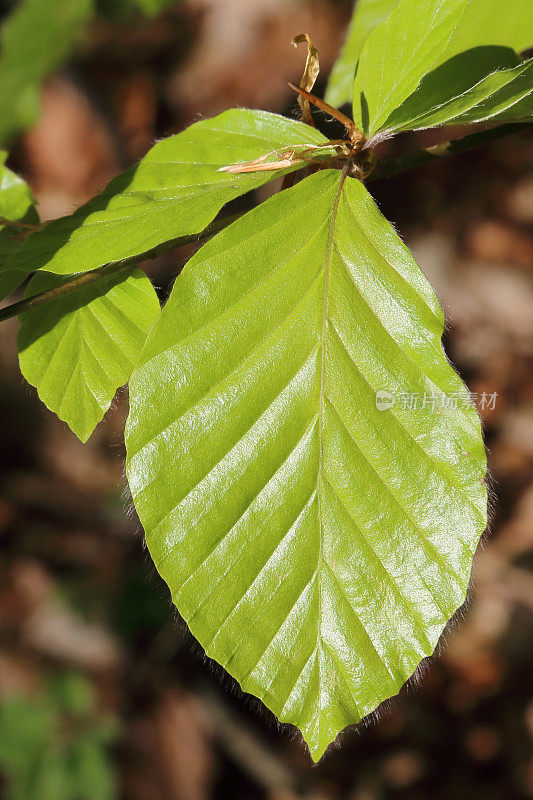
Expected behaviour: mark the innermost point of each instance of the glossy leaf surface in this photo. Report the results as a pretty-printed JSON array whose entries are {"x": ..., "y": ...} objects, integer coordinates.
[
  {"x": 175, "y": 190},
  {"x": 77, "y": 350},
  {"x": 366, "y": 16},
  {"x": 34, "y": 40},
  {"x": 315, "y": 544},
  {"x": 419, "y": 37},
  {"x": 503, "y": 96}
]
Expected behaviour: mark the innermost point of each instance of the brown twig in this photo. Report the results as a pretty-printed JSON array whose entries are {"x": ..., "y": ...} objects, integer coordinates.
[
  {"x": 356, "y": 137},
  {"x": 95, "y": 275}
]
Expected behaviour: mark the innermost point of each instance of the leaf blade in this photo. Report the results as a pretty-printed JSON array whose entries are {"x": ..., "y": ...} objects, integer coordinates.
[
  {"x": 418, "y": 38},
  {"x": 265, "y": 477},
  {"x": 503, "y": 96},
  {"x": 79, "y": 349},
  {"x": 16, "y": 205},
  {"x": 367, "y": 15},
  {"x": 176, "y": 190}
]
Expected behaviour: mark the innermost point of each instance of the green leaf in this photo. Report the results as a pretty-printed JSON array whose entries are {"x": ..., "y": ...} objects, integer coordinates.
[
  {"x": 34, "y": 40},
  {"x": 78, "y": 349},
  {"x": 176, "y": 190},
  {"x": 503, "y": 96},
  {"x": 366, "y": 16},
  {"x": 490, "y": 22},
  {"x": 421, "y": 35},
  {"x": 17, "y": 205},
  {"x": 315, "y": 545}
]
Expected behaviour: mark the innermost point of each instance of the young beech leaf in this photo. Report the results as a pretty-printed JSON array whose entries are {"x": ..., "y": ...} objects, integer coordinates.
[
  {"x": 503, "y": 96},
  {"x": 450, "y": 38},
  {"x": 315, "y": 544},
  {"x": 16, "y": 205},
  {"x": 78, "y": 349},
  {"x": 367, "y": 14},
  {"x": 177, "y": 189}
]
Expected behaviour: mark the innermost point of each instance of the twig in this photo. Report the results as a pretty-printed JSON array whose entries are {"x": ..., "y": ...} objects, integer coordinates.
[
  {"x": 95, "y": 275},
  {"x": 394, "y": 166},
  {"x": 384, "y": 169},
  {"x": 9, "y": 223}
]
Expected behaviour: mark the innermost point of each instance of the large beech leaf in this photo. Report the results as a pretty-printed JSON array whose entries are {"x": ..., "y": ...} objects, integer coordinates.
[
  {"x": 315, "y": 545},
  {"x": 421, "y": 36},
  {"x": 503, "y": 96},
  {"x": 175, "y": 190},
  {"x": 78, "y": 349},
  {"x": 34, "y": 40},
  {"x": 367, "y": 14},
  {"x": 16, "y": 205}
]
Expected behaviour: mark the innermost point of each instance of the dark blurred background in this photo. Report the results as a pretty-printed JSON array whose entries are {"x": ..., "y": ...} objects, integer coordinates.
[{"x": 103, "y": 693}]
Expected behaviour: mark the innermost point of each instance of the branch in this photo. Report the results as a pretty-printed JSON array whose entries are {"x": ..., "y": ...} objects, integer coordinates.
[
  {"x": 95, "y": 275},
  {"x": 384, "y": 169},
  {"x": 394, "y": 166}
]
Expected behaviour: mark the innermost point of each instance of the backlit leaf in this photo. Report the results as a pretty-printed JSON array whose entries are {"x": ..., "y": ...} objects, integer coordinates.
[
  {"x": 420, "y": 36},
  {"x": 491, "y": 22},
  {"x": 316, "y": 529},
  {"x": 176, "y": 190},
  {"x": 77, "y": 350},
  {"x": 503, "y": 96}
]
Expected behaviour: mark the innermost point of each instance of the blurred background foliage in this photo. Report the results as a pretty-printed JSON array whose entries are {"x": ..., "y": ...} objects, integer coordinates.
[
  {"x": 103, "y": 693},
  {"x": 52, "y": 746}
]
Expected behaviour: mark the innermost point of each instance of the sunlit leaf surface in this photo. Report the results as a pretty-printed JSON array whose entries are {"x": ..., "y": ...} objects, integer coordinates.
[
  {"x": 175, "y": 190},
  {"x": 77, "y": 350},
  {"x": 419, "y": 37},
  {"x": 316, "y": 529},
  {"x": 367, "y": 14}
]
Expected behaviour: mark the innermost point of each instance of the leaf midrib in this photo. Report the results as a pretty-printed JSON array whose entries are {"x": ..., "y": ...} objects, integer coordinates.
[
  {"x": 379, "y": 124},
  {"x": 325, "y": 307}
]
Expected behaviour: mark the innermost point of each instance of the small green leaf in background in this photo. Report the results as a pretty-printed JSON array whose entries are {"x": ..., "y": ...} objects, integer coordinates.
[
  {"x": 418, "y": 37},
  {"x": 16, "y": 205},
  {"x": 34, "y": 40},
  {"x": 315, "y": 544},
  {"x": 78, "y": 349},
  {"x": 175, "y": 190},
  {"x": 366, "y": 16},
  {"x": 54, "y": 747}
]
